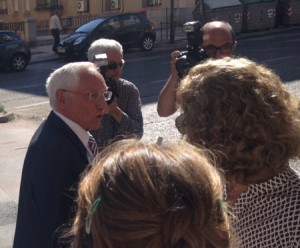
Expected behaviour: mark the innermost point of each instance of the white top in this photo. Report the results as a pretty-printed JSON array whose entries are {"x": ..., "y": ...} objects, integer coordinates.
[
  {"x": 54, "y": 22},
  {"x": 267, "y": 215},
  {"x": 82, "y": 134}
]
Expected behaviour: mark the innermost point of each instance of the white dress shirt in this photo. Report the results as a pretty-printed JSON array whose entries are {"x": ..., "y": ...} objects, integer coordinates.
[
  {"x": 82, "y": 134},
  {"x": 54, "y": 23}
]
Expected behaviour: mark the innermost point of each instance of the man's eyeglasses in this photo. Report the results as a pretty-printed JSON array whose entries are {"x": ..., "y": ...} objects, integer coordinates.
[
  {"x": 93, "y": 96},
  {"x": 224, "y": 50},
  {"x": 114, "y": 65}
]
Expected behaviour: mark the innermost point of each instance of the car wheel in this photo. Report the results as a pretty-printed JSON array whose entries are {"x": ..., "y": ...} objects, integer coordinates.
[
  {"x": 147, "y": 43},
  {"x": 18, "y": 62}
]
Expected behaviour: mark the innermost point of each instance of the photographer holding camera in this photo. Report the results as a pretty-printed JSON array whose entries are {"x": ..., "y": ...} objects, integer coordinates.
[
  {"x": 123, "y": 117},
  {"x": 215, "y": 39}
]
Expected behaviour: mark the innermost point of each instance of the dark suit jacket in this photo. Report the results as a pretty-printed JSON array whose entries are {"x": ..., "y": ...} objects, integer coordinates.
[{"x": 54, "y": 161}]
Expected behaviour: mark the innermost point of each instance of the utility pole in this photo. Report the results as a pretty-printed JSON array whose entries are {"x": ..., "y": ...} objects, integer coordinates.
[{"x": 172, "y": 28}]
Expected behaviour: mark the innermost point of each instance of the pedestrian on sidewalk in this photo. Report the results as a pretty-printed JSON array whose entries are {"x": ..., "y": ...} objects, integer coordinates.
[
  {"x": 59, "y": 151},
  {"x": 55, "y": 29}
]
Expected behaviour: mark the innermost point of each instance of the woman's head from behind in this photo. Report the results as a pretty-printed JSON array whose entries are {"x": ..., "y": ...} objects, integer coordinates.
[
  {"x": 242, "y": 112},
  {"x": 156, "y": 196}
]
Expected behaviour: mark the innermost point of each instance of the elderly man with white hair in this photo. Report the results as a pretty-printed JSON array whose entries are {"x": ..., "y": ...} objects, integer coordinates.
[{"x": 59, "y": 151}]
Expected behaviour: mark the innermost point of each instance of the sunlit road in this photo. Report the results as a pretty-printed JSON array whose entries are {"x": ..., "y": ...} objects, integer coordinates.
[{"x": 24, "y": 93}]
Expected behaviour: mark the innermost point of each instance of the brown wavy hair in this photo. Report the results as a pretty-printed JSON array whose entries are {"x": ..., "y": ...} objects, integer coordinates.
[
  {"x": 243, "y": 113},
  {"x": 152, "y": 196}
]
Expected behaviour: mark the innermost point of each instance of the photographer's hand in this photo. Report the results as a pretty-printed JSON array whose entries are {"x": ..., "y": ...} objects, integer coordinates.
[
  {"x": 166, "y": 104},
  {"x": 174, "y": 72},
  {"x": 114, "y": 110}
]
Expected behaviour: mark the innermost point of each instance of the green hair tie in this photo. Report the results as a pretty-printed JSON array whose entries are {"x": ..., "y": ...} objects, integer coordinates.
[
  {"x": 89, "y": 217},
  {"x": 222, "y": 205}
]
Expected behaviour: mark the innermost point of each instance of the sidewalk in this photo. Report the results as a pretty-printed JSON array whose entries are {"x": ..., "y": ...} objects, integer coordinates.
[{"x": 15, "y": 138}]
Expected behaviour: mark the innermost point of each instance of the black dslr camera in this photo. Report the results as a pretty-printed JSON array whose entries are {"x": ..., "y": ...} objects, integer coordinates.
[
  {"x": 101, "y": 61},
  {"x": 194, "y": 55}
]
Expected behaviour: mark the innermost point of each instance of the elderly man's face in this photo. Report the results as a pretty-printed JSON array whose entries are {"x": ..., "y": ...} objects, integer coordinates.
[
  {"x": 218, "y": 43},
  {"x": 81, "y": 105},
  {"x": 116, "y": 59}
]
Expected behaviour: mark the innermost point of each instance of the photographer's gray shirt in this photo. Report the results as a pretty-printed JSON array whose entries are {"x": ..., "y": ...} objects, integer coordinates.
[{"x": 132, "y": 124}]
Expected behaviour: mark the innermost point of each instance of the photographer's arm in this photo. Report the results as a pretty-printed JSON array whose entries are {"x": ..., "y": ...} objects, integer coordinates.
[{"x": 166, "y": 104}]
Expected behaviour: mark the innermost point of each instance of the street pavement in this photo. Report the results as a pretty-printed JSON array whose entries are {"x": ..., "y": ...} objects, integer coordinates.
[
  {"x": 16, "y": 135},
  {"x": 42, "y": 50}
]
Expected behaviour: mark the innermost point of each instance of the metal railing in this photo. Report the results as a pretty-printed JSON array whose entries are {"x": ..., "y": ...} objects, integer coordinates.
[
  {"x": 16, "y": 26},
  {"x": 68, "y": 23},
  {"x": 165, "y": 30},
  {"x": 72, "y": 22}
]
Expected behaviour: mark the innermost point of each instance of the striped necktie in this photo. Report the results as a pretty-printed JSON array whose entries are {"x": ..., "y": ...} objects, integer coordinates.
[{"x": 92, "y": 145}]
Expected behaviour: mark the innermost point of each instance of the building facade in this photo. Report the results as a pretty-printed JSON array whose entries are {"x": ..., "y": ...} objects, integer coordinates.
[{"x": 158, "y": 11}]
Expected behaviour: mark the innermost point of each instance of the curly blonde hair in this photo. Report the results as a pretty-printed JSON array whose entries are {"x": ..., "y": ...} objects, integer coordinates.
[
  {"x": 242, "y": 112},
  {"x": 152, "y": 196}
]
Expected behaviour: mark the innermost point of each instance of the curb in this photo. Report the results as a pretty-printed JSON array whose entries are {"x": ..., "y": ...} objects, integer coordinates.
[
  {"x": 267, "y": 32},
  {"x": 38, "y": 60},
  {"x": 6, "y": 117}
]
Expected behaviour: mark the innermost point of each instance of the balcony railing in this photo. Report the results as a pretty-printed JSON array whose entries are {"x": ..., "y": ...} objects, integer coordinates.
[{"x": 48, "y": 6}]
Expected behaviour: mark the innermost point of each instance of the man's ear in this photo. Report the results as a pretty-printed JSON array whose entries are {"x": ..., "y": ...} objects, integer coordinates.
[
  {"x": 201, "y": 36},
  {"x": 234, "y": 46},
  {"x": 60, "y": 99}
]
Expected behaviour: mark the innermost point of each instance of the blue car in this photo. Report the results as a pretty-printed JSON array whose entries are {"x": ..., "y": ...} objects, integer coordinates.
[
  {"x": 15, "y": 54},
  {"x": 132, "y": 30}
]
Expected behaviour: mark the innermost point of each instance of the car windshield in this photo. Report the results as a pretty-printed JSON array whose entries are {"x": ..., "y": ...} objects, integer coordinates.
[
  {"x": 89, "y": 27},
  {"x": 4, "y": 37}
]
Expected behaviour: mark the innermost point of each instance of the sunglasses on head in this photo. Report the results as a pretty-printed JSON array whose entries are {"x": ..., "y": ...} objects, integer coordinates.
[{"x": 114, "y": 65}]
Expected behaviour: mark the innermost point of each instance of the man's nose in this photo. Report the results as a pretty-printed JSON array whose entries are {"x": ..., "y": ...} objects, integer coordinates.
[
  {"x": 218, "y": 54},
  {"x": 119, "y": 69},
  {"x": 101, "y": 103}
]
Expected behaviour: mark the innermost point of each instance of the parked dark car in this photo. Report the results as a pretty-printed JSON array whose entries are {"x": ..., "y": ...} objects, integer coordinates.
[
  {"x": 132, "y": 30},
  {"x": 14, "y": 53}
]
